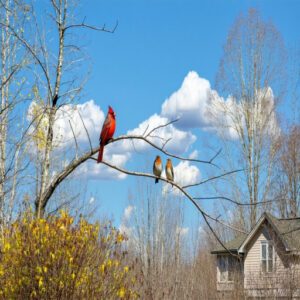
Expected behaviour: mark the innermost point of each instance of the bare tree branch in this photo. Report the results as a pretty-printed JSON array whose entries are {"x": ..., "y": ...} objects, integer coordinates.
[
  {"x": 213, "y": 178},
  {"x": 227, "y": 225},
  {"x": 8, "y": 78},
  {"x": 142, "y": 138},
  {"x": 76, "y": 144},
  {"x": 77, "y": 162},
  {"x": 87, "y": 133},
  {"x": 84, "y": 25},
  {"x": 236, "y": 202},
  {"x": 160, "y": 126},
  {"x": 215, "y": 156},
  {"x": 45, "y": 196},
  {"x": 203, "y": 213},
  {"x": 30, "y": 49}
]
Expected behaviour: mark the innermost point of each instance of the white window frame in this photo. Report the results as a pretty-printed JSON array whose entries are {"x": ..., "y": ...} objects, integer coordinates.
[{"x": 267, "y": 243}]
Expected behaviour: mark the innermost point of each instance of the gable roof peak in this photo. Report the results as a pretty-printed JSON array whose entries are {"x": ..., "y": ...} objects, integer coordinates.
[{"x": 288, "y": 231}]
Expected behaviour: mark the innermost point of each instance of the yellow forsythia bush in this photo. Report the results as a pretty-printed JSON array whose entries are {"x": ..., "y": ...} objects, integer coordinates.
[{"x": 56, "y": 258}]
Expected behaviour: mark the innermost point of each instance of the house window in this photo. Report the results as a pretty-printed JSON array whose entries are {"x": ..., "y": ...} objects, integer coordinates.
[
  {"x": 267, "y": 256},
  {"x": 223, "y": 268},
  {"x": 231, "y": 264},
  {"x": 226, "y": 268}
]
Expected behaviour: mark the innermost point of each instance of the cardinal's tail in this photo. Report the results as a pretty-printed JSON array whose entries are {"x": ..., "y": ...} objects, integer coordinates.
[
  {"x": 100, "y": 154},
  {"x": 156, "y": 180}
]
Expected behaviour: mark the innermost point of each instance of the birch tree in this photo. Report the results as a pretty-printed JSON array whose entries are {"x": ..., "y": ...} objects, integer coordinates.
[
  {"x": 14, "y": 15},
  {"x": 54, "y": 84}
]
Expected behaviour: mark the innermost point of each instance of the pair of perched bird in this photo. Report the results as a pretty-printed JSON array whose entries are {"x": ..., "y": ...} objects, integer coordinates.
[{"x": 158, "y": 167}]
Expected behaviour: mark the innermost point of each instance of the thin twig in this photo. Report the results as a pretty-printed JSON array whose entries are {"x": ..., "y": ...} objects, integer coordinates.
[
  {"x": 87, "y": 133},
  {"x": 212, "y": 178},
  {"x": 35, "y": 56},
  {"x": 161, "y": 126},
  {"x": 165, "y": 143},
  {"x": 226, "y": 225},
  {"x": 74, "y": 137},
  {"x": 217, "y": 154},
  {"x": 84, "y": 25},
  {"x": 139, "y": 137},
  {"x": 290, "y": 231},
  {"x": 157, "y": 137},
  {"x": 8, "y": 78},
  {"x": 145, "y": 130},
  {"x": 236, "y": 202}
]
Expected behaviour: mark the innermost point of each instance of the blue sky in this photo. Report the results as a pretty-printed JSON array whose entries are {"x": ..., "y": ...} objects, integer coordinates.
[{"x": 157, "y": 43}]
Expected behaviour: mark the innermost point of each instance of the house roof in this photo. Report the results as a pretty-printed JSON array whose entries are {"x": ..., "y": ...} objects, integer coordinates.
[
  {"x": 288, "y": 231},
  {"x": 232, "y": 245}
]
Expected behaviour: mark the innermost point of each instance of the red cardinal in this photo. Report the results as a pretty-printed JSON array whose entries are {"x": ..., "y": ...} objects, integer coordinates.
[{"x": 107, "y": 132}]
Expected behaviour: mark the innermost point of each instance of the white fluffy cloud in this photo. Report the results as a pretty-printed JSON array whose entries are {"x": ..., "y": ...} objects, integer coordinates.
[
  {"x": 92, "y": 170},
  {"x": 68, "y": 119},
  {"x": 193, "y": 155},
  {"x": 197, "y": 105},
  {"x": 184, "y": 174},
  {"x": 189, "y": 103},
  {"x": 91, "y": 115}
]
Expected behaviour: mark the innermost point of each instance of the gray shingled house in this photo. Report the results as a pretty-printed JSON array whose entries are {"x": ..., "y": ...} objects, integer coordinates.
[{"x": 264, "y": 264}]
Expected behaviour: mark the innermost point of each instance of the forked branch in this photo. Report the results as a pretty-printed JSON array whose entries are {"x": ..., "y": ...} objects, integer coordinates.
[{"x": 84, "y": 25}]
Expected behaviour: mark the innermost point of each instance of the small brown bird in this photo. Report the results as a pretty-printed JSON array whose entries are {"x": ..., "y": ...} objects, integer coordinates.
[
  {"x": 169, "y": 170},
  {"x": 157, "y": 167}
]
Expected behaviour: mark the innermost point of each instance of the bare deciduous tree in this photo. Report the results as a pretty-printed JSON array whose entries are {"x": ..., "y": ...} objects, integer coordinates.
[
  {"x": 251, "y": 73},
  {"x": 286, "y": 184},
  {"x": 168, "y": 262}
]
